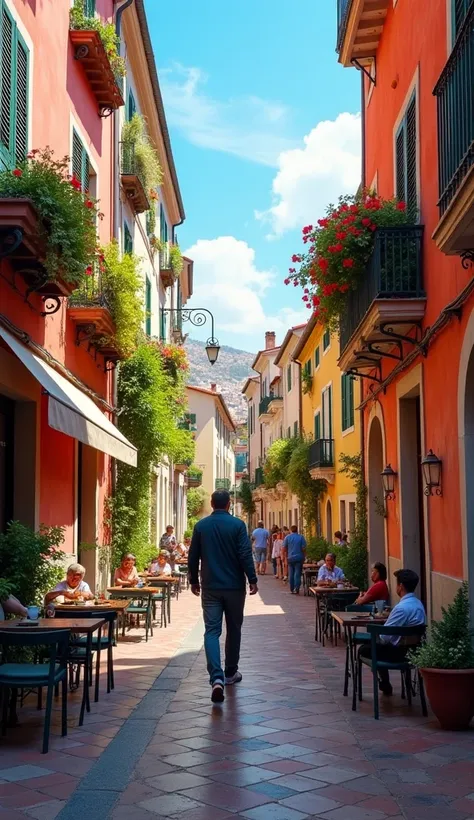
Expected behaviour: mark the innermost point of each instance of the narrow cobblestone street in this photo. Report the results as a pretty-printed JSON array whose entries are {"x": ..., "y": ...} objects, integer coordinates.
[{"x": 285, "y": 745}]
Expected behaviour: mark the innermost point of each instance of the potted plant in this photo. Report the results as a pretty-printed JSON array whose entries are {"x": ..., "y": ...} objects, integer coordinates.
[
  {"x": 57, "y": 220},
  {"x": 446, "y": 663}
]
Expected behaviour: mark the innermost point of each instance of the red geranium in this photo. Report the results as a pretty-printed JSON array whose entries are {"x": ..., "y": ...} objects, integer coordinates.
[{"x": 17, "y": 172}]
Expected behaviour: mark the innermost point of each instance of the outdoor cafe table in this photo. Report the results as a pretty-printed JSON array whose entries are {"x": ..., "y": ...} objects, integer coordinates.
[
  {"x": 162, "y": 582},
  {"x": 117, "y": 606},
  {"x": 310, "y": 571},
  {"x": 86, "y": 626},
  {"x": 319, "y": 591},
  {"x": 351, "y": 621},
  {"x": 159, "y": 582}
]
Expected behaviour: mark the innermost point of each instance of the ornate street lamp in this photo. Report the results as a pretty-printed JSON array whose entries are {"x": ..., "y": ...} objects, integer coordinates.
[
  {"x": 388, "y": 478},
  {"x": 431, "y": 466},
  {"x": 198, "y": 317}
]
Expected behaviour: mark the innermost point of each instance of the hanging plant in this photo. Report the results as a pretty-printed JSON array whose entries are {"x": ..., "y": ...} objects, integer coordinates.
[
  {"x": 106, "y": 31},
  {"x": 147, "y": 162},
  {"x": 68, "y": 216},
  {"x": 176, "y": 259},
  {"x": 339, "y": 248},
  {"x": 123, "y": 285}
]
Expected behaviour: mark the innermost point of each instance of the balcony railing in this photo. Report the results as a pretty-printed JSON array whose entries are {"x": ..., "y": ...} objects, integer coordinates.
[
  {"x": 394, "y": 271},
  {"x": 92, "y": 293},
  {"x": 133, "y": 180},
  {"x": 321, "y": 453},
  {"x": 343, "y": 9},
  {"x": 456, "y": 115},
  {"x": 259, "y": 477},
  {"x": 223, "y": 483}
]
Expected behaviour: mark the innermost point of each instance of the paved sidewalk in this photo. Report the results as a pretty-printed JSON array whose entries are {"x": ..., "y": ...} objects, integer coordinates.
[{"x": 284, "y": 746}]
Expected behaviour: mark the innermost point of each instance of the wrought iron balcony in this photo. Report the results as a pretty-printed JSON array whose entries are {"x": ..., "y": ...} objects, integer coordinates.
[
  {"x": 321, "y": 453},
  {"x": 133, "y": 181},
  {"x": 455, "y": 233},
  {"x": 89, "y": 309},
  {"x": 264, "y": 405},
  {"x": 359, "y": 28},
  {"x": 258, "y": 477},
  {"x": 391, "y": 293},
  {"x": 92, "y": 293}
]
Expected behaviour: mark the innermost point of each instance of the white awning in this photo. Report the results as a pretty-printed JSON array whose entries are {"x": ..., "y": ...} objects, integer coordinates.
[{"x": 70, "y": 410}]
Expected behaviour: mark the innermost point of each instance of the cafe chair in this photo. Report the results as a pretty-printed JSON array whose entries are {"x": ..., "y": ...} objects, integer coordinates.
[
  {"x": 106, "y": 642},
  {"x": 358, "y": 639},
  {"x": 143, "y": 606},
  {"x": 336, "y": 603},
  {"x": 14, "y": 676},
  {"x": 415, "y": 634},
  {"x": 159, "y": 597}
]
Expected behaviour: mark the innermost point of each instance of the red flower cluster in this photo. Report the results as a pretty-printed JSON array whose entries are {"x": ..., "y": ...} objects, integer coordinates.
[
  {"x": 17, "y": 172},
  {"x": 75, "y": 183}
]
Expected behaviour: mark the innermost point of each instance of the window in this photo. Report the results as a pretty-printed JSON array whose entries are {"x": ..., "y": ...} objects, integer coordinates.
[
  {"x": 163, "y": 225},
  {"x": 148, "y": 307},
  {"x": 289, "y": 432},
  {"x": 352, "y": 516},
  {"x": 89, "y": 8},
  {"x": 326, "y": 339},
  {"x": 250, "y": 419},
  {"x": 14, "y": 92},
  {"x": 327, "y": 413},
  {"x": 80, "y": 162},
  {"x": 308, "y": 367},
  {"x": 317, "y": 426},
  {"x": 131, "y": 105},
  {"x": 459, "y": 13},
  {"x": 342, "y": 516},
  {"x": 295, "y": 429},
  {"x": 127, "y": 239},
  {"x": 405, "y": 157},
  {"x": 317, "y": 358},
  {"x": 347, "y": 396},
  {"x": 163, "y": 328},
  {"x": 289, "y": 518},
  {"x": 288, "y": 377}
]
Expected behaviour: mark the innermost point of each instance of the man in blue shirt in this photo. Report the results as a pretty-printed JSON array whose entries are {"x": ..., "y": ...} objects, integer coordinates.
[
  {"x": 329, "y": 571},
  {"x": 220, "y": 544},
  {"x": 408, "y": 612},
  {"x": 260, "y": 539},
  {"x": 296, "y": 549}
]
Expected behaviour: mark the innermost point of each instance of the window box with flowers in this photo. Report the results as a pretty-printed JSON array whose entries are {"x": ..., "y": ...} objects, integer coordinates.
[
  {"x": 97, "y": 47},
  {"x": 48, "y": 226},
  {"x": 171, "y": 264}
]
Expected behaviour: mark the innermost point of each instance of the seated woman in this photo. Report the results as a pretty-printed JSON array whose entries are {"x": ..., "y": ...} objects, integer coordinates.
[
  {"x": 164, "y": 567},
  {"x": 126, "y": 574},
  {"x": 379, "y": 589},
  {"x": 13, "y": 606},
  {"x": 73, "y": 588}
]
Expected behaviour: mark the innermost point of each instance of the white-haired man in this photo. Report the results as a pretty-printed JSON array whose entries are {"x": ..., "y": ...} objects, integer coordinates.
[{"x": 73, "y": 588}]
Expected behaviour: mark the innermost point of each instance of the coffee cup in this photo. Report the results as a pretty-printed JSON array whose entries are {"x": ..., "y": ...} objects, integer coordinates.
[{"x": 33, "y": 613}]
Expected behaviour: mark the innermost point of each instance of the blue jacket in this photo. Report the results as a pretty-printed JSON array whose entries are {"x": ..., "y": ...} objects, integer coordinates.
[{"x": 221, "y": 544}]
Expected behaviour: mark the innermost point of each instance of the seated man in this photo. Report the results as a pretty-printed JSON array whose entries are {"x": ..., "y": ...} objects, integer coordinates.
[
  {"x": 73, "y": 588},
  {"x": 408, "y": 612},
  {"x": 329, "y": 571}
]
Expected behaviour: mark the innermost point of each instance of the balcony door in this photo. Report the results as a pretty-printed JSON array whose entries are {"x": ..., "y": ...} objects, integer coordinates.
[{"x": 326, "y": 447}]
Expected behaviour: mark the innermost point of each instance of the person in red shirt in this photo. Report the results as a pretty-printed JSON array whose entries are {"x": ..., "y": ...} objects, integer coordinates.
[{"x": 379, "y": 589}]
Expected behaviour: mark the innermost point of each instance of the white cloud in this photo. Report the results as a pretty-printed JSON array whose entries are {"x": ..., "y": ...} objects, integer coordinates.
[
  {"x": 311, "y": 177},
  {"x": 248, "y": 127},
  {"x": 228, "y": 283}
]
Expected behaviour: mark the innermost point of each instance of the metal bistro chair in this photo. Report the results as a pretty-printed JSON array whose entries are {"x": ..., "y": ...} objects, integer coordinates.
[
  {"x": 358, "y": 639},
  {"x": 159, "y": 597},
  {"x": 140, "y": 605},
  {"x": 78, "y": 645},
  {"x": 404, "y": 666},
  {"x": 14, "y": 676},
  {"x": 335, "y": 603}
]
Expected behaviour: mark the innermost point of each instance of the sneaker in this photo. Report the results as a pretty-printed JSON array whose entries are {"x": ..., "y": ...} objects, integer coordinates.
[
  {"x": 217, "y": 695},
  {"x": 229, "y": 681}
]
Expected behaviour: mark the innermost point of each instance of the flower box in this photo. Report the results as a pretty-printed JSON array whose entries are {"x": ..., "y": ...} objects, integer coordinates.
[
  {"x": 90, "y": 52},
  {"x": 22, "y": 245}
]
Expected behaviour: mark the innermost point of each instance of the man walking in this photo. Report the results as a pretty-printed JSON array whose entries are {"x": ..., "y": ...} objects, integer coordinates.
[
  {"x": 296, "y": 548},
  {"x": 221, "y": 545},
  {"x": 261, "y": 540}
]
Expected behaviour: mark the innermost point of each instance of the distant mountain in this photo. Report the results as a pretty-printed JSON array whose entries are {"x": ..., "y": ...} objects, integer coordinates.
[{"x": 228, "y": 373}]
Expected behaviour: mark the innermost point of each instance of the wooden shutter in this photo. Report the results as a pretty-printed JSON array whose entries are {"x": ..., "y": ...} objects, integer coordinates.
[
  {"x": 127, "y": 239},
  {"x": 327, "y": 413},
  {"x": 289, "y": 432},
  {"x": 131, "y": 106},
  {"x": 343, "y": 402},
  {"x": 347, "y": 394},
  {"x": 162, "y": 325},
  {"x": 6, "y": 92},
  {"x": 317, "y": 426},
  {"x": 80, "y": 161},
  {"x": 295, "y": 428},
  {"x": 411, "y": 185},
  {"x": 459, "y": 13},
  {"x": 288, "y": 376},
  {"x": 317, "y": 357},
  {"x": 89, "y": 8},
  {"x": 148, "y": 307},
  {"x": 326, "y": 339},
  {"x": 400, "y": 163}
]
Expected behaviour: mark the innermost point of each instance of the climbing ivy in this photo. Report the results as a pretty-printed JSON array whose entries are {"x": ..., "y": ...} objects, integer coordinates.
[
  {"x": 353, "y": 559},
  {"x": 288, "y": 460}
]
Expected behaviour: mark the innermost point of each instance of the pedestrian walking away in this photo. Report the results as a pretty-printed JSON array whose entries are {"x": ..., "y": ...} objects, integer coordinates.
[
  {"x": 220, "y": 561},
  {"x": 296, "y": 548},
  {"x": 261, "y": 541}
]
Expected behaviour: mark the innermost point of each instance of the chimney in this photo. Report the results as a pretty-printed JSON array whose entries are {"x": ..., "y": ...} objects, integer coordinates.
[
  {"x": 213, "y": 387},
  {"x": 270, "y": 340}
]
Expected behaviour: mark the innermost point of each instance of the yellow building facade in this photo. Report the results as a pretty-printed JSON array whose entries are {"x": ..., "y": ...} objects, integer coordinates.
[{"x": 330, "y": 417}]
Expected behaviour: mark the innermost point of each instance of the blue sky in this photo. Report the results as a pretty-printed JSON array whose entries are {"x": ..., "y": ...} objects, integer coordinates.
[{"x": 265, "y": 132}]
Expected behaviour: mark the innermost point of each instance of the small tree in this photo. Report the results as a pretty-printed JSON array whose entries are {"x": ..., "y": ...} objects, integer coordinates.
[
  {"x": 450, "y": 643},
  {"x": 32, "y": 561},
  {"x": 354, "y": 559}
]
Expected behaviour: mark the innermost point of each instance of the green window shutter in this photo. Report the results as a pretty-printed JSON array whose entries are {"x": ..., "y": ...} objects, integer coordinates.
[
  {"x": 131, "y": 105},
  {"x": 317, "y": 426},
  {"x": 288, "y": 376},
  {"x": 163, "y": 225},
  {"x": 459, "y": 12},
  {"x": 405, "y": 157},
  {"x": 148, "y": 307},
  {"x": 295, "y": 429},
  {"x": 289, "y": 432},
  {"x": 80, "y": 161},
  {"x": 127, "y": 239},
  {"x": 344, "y": 401},
  {"x": 14, "y": 83},
  {"x": 317, "y": 357},
  {"x": 347, "y": 393},
  {"x": 162, "y": 325},
  {"x": 307, "y": 367},
  {"x": 89, "y": 8},
  {"x": 326, "y": 339}
]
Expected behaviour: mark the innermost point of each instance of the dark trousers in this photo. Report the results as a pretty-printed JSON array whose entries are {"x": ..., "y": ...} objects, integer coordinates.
[
  {"x": 216, "y": 604},
  {"x": 386, "y": 652},
  {"x": 274, "y": 562},
  {"x": 294, "y": 571}
]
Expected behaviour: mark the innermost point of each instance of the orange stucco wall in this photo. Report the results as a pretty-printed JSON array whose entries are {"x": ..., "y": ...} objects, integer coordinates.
[{"x": 414, "y": 43}]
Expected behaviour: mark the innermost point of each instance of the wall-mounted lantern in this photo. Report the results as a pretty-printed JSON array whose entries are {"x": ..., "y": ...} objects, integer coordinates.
[
  {"x": 388, "y": 477},
  {"x": 431, "y": 466}
]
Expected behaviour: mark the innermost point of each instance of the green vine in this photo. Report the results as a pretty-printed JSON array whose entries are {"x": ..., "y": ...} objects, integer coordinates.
[
  {"x": 246, "y": 498},
  {"x": 176, "y": 259},
  {"x": 288, "y": 460},
  {"x": 106, "y": 32},
  {"x": 151, "y": 402},
  {"x": 146, "y": 157},
  {"x": 124, "y": 291},
  {"x": 306, "y": 382},
  {"x": 354, "y": 559}
]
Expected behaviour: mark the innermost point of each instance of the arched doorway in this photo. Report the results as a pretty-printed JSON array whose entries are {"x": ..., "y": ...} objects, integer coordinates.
[
  {"x": 329, "y": 535},
  {"x": 466, "y": 432},
  {"x": 376, "y": 494}
]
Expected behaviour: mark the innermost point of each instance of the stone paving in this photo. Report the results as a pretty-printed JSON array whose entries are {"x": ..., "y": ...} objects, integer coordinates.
[{"x": 285, "y": 745}]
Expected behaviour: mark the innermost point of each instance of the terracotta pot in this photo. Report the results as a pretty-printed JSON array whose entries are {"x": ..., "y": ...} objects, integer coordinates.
[{"x": 451, "y": 696}]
